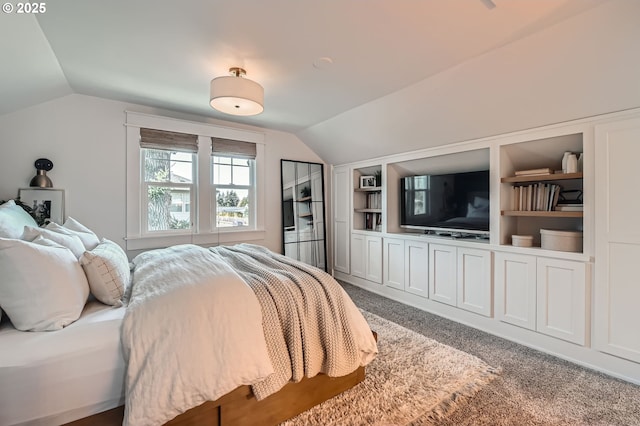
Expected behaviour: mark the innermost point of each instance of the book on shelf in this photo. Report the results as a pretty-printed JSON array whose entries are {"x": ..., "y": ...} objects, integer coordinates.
[
  {"x": 564, "y": 204},
  {"x": 569, "y": 208},
  {"x": 374, "y": 201},
  {"x": 372, "y": 221},
  {"x": 535, "y": 197},
  {"x": 532, "y": 172}
]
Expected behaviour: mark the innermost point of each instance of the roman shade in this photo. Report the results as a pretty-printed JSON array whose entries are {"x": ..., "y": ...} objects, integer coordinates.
[
  {"x": 220, "y": 146},
  {"x": 161, "y": 139}
]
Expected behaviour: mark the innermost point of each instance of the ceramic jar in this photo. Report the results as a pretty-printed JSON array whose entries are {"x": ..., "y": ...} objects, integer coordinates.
[
  {"x": 565, "y": 158},
  {"x": 572, "y": 164}
]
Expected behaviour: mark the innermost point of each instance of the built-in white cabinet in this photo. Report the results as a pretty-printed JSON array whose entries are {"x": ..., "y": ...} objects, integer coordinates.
[
  {"x": 617, "y": 286},
  {"x": 461, "y": 277},
  {"x": 358, "y": 255},
  {"x": 515, "y": 287},
  {"x": 416, "y": 267},
  {"x": 341, "y": 191},
  {"x": 579, "y": 301},
  {"x": 405, "y": 265},
  {"x": 474, "y": 280},
  {"x": 373, "y": 259},
  {"x": 562, "y": 299},
  {"x": 393, "y": 263},
  {"x": 366, "y": 257},
  {"x": 442, "y": 273},
  {"x": 546, "y": 295}
]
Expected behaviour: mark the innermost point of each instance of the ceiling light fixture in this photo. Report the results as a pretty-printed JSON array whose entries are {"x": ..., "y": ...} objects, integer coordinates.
[{"x": 236, "y": 95}]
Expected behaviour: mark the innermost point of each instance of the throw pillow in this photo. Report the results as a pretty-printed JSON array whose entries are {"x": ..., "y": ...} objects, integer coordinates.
[
  {"x": 107, "y": 269},
  {"x": 13, "y": 219},
  {"x": 43, "y": 287}
]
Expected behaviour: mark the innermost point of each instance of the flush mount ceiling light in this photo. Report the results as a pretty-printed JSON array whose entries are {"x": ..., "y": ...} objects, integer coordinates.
[{"x": 237, "y": 95}]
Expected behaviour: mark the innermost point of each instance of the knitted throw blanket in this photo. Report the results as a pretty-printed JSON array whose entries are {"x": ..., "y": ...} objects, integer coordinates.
[{"x": 307, "y": 317}]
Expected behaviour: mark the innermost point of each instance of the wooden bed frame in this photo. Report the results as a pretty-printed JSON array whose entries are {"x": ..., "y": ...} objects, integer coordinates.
[{"x": 240, "y": 408}]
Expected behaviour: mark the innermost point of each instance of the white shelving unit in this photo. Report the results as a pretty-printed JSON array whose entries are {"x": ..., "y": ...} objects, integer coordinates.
[
  {"x": 367, "y": 200},
  {"x": 544, "y": 298}
]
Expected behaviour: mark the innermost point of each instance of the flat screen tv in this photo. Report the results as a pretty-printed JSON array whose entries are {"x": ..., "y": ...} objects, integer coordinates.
[{"x": 446, "y": 203}]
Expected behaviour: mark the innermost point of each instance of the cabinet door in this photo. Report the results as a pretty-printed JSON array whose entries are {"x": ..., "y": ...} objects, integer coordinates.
[
  {"x": 617, "y": 239},
  {"x": 474, "y": 280},
  {"x": 416, "y": 268},
  {"x": 515, "y": 286},
  {"x": 373, "y": 259},
  {"x": 341, "y": 208},
  {"x": 393, "y": 263},
  {"x": 358, "y": 255},
  {"x": 442, "y": 273},
  {"x": 562, "y": 299}
]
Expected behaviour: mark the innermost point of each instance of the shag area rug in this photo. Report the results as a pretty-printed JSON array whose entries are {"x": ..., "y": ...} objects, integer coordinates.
[{"x": 413, "y": 381}]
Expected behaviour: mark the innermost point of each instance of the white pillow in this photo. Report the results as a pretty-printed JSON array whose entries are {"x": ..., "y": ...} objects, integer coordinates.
[
  {"x": 107, "y": 269},
  {"x": 71, "y": 242},
  {"x": 40, "y": 240},
  {"x": 43, "y": 288},
  {"x": 13, "y": 219},
  {"x": 73, "y": 227}
]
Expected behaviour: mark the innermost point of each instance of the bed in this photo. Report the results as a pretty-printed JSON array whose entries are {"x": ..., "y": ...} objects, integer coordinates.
[
  {"x": 49, "y": 378},
  {"x": 146, "y": 349}
]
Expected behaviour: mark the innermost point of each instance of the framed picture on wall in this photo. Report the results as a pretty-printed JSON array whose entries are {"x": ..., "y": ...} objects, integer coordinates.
[{"x": 47, "y": 204}]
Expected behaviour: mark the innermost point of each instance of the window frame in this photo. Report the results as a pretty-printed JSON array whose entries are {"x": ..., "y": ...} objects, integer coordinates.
[
  {"x": 144, "y": 192},
  {"x": 204, "y": 231},
  {"x": 251, "y": 188}
]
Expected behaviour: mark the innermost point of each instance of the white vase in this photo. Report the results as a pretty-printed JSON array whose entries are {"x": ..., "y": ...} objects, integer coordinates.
[
  {"x": 580, "y": 162},
  {"x": 572, "y": 164},
  {"x": 565, "y": 158}
]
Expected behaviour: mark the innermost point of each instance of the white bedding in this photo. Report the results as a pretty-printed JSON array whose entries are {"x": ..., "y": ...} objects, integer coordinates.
[
  {"x": 53, "y": 377},
  {"x": 192, "y": 333},
  {"x": 195, "y": 330}
]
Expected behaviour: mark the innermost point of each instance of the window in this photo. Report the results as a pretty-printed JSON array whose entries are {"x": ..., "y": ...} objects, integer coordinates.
[
  {"x": 233, "y": 177},
  {"x": 168, "y": 164},
  {"x": 233, "y": 191},
  {"x": 168, "y": 186},
  {"x": 198, "y": 184}
]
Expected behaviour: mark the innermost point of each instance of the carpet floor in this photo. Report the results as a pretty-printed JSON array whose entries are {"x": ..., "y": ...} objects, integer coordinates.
[
  {"x": 533, "y": 388},
  {"x": 414, "y": 380}
]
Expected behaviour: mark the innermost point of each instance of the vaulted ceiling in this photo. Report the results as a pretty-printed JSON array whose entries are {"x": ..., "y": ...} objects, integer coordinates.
[{"x": 317, "y": 60}]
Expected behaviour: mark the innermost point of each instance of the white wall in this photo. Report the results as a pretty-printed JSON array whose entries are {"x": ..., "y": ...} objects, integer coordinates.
[
  {"x": 584, "y": 66},
  {"x": 84, "y": 136}
]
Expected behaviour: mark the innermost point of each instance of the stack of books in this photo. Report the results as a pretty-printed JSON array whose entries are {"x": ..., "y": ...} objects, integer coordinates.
[
  {"x": 534, "y": 172},
  {"x": 570, "y": 207}
]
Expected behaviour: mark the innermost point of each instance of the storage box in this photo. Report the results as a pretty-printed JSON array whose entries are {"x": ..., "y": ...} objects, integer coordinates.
[
  {"x": 561, "y": 240},
  {"x": 522, "y": 240}
]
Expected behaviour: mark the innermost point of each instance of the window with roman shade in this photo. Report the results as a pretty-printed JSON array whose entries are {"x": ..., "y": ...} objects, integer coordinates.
[
  {"x": 169, "y": 181},
  {"x": 233, "y": 183},
  {"x": 176, "y": 172}
]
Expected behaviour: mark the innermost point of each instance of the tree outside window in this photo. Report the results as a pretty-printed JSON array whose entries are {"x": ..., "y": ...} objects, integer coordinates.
[{"x": 168, "y": 178}]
